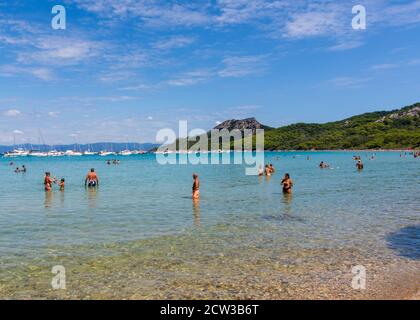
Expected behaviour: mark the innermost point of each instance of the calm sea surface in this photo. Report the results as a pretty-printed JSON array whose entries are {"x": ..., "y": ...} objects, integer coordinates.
[{"x": 140, "y": 199}]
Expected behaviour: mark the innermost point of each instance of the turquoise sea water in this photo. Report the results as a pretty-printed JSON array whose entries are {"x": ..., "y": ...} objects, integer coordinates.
[{"x": 141, "y": 199}]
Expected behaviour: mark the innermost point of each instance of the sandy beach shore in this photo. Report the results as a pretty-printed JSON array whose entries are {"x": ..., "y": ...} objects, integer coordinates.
[{"x": 143, "y": 272}]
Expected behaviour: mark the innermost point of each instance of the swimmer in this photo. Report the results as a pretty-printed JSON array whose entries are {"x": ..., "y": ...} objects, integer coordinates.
[
  {"x": 196, "y": 187},
  {"x": 287, "y": 184},
  {"x": 92, "y": 179},
  {"x": 23, "y": 169},
  {"x": 272, "y": 169},
  {"x": 62, "y": 184},
  {"x": 359, "y": 165},
  {"x": 17, "y": 170},
  {"x": 48, "y": 181},
  {"x": 324, "y": 165},
  {"x": 267, "y": 170}
]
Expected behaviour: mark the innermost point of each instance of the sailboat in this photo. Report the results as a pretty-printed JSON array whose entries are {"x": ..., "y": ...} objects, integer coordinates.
[
  {"x": 126, "y": 152},
  {"x": 16, "y": 153},
  {"x": 106, "y": 153}
]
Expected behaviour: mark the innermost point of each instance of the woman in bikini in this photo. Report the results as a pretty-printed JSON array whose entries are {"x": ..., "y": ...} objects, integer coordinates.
[
  {"x": 287, "y": 184},
  {"x": 48, "y": 181}
]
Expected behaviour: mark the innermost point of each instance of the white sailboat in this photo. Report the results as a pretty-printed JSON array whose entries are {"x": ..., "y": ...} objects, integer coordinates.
[
  {"x": 106, "y": 153},
  {"x": 126, "y": 153},
  {"x": 71, "y": 153},
  {"x": 37, "y": 153},
  {"x": 16, "y": 153},
  {"x": 55, "y": 153},
  {"x": 89, "y": 151}
]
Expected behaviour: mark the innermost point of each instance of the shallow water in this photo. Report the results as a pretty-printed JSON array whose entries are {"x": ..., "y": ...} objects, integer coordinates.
[{"x": 141, "y": 203}]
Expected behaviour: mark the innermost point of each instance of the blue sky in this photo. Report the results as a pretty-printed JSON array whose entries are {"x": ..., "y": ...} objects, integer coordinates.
[{"x": 123, "y": 69}]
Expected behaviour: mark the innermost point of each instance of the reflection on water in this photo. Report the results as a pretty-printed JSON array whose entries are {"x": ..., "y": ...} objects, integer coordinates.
[
  {"x": 48, "y": 202},
  {"x": 92, "y": 197},
  {"x": 196, "y": 212},
  {"x": 287, "y": 202},
  {"x": 62, "y": 198}
]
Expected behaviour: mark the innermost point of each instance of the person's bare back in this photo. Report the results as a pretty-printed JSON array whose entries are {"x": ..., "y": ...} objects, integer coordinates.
[{"x": 196, "y": 187}]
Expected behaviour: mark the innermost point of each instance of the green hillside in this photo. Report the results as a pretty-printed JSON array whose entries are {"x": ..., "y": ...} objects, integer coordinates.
[
  {"x": 397, "y": 129},
  {"x": 377, "y": 130}
]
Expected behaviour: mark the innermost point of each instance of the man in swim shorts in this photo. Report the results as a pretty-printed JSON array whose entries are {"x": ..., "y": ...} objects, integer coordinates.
[
  {"x": 196, "y": 187},
  {"x": 92, "y": 179}
]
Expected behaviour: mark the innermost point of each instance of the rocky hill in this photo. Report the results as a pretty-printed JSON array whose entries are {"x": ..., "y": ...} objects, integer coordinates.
[{"x": 250, "y": 123}]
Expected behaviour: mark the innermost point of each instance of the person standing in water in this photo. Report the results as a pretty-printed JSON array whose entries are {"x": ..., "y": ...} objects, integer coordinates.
[
  {"x": 62, "y": 184},
  {"x": 48, "y": 181},
  {"x": 359, "y": 165},
  {"x": 287, "y": 184},
  {"x": 196, "y": 187},
  {"x": 267, "y": 170},
  {"x": 92, "y": 179}
]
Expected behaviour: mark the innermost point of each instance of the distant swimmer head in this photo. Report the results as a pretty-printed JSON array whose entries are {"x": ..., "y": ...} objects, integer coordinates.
[
  {"x": 287, "y": 176},
  {"x": 92, "y": 170},
  {"x": 195, "y": 176}
]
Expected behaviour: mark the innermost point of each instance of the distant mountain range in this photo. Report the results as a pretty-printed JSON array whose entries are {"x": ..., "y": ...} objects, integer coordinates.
[{"x": 95, "y": 147}]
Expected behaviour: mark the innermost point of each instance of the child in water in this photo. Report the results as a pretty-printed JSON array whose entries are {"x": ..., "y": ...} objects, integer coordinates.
[{"x": 62, "y": 184}]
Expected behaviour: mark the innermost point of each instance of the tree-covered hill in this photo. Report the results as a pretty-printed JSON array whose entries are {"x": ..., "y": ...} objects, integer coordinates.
[{"x": 377, "y": 130}]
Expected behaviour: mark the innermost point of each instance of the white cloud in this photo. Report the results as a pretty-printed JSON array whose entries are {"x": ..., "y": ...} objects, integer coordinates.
[
  {"x": 59, "y": 51},
  {"x": 173, "y": 43},
  {"x": 53, "y": 114},
  {"x": 38, "y": 72},
  {"x": 242, "y": 66},
  {"x": 18, "y": 132},
  {"x": 348, "y": 82},
  {"x": 12, "y": 113},
  {"x": 190, "y": 78},
  {"x": 384, "y": 66},
  {"x": 310, "y": 24},
  {"x": 346, "y": 45}
]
